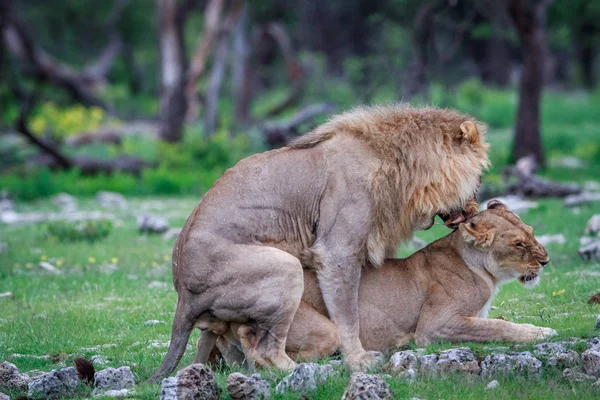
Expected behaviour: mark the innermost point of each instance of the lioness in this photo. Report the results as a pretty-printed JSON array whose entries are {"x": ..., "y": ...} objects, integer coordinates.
[
  {"x": 442, "y": 292},
  {"x": 339, "y": 198}
]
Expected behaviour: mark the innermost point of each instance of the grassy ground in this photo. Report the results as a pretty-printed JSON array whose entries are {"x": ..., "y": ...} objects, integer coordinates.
[{"x": 90, "y": 310}]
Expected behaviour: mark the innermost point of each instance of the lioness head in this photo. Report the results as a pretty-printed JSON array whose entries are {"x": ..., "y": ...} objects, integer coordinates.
[{"x": 509, "y": 243}]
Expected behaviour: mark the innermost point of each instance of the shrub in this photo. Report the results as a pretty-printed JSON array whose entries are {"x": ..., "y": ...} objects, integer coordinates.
[{"x": 89, "y": 231}]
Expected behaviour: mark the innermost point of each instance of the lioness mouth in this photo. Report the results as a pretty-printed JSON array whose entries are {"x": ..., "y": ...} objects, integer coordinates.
[{"x": 527, "y": 278}]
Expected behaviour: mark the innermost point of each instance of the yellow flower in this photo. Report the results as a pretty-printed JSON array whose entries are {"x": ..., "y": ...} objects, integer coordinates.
[
  {"x": 59, "y": 262},
  {"x": 558, "y": 293},
  {"x": 154, "y": 264},
  {"x": 91, "y": 260},
  {"x": 114, "y": 260},
  {"x": 166, "y": 258},
  {"x": 43, "y": 258}
]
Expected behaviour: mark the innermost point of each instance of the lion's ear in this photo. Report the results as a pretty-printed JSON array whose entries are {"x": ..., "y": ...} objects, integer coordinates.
[
  {"x": 496, "y": 205},
  {"x": 469, "y": 132},
  {"x": 476, "y": 234}
]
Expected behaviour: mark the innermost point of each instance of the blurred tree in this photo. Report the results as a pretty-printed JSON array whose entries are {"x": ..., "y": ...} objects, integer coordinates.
[{"x": 529, "y": 17}]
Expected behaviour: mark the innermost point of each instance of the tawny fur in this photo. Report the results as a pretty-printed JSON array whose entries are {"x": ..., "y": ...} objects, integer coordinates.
[
  {"x": 442, "y": 292},
  {"x": 421, "y": 165},
  {"x": 342, "y": 197}
]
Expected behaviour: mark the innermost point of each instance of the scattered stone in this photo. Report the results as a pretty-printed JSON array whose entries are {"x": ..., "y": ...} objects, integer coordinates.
[
  {"x": 581, "y": 198},
  {"x": 576, "y": 376},
  {"x": 152, "y": 224},
  {"x": 65, "y": 202},
  {"x": 242, "y": 387},
  {"x": 172, "y": 233},
  {"x": 152, "y": 322},
  {"x": 449, "y": 361},
  {"x": 591, "y": 186},
  {"x": 545, "y": 240},
  {"x": 404, "y": 364},
  {"x": 514, "y": 203},
  {"x": 593, "y": 344},
  {"x": 111, "y": 200},
  {"x": 597, "y": 325},
  {"x": 115, "y": 393},
  {"x": 158, "y": 285},
  {"x": 591, "y": 362},
  {"x": 55, "y": 383},
  {"x": 113, "y": 379},
  {"x": 523, "y": 362},
  {"x": 593, "y": 225},
  {"x": 492, "y": 385},
  {"x": 569, "y": 162},
  {"x": 305, "y": 377},
  {"x": 46, "y": 266},
  {"x": 6, "y": 206},
  {"x": 35, "y": 372},
  {"x": 99, "y": 360},
  {"x": 4, "y": 396},
  {"x": 365, "y": 386},
  {"x": 6, "y": 295},
  {"x": 195, "y": 382},
  {"x": 108, "y": 268},
  {"x": 590, "y": 251},
  {"x": 11, "y": 378},
  {"x": 556, "y": 354}
]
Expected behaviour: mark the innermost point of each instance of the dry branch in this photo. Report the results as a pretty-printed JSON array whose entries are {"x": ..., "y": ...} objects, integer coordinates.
[{"x": 281, "y": 132}]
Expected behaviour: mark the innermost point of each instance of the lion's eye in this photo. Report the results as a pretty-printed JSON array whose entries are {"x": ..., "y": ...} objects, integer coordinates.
[{"x": 519, "y": 244}]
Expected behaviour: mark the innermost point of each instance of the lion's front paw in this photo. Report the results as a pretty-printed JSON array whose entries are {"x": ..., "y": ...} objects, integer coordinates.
[
  {"x": 538, "y": 333},
  {"x": 365, "y": 360}
]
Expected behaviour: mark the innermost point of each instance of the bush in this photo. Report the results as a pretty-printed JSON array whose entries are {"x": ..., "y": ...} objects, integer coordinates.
[{"x": 89, "y": 231}]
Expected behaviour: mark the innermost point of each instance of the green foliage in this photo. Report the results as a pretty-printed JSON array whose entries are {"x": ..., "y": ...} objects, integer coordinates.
[{"x": 75, "y": 231}]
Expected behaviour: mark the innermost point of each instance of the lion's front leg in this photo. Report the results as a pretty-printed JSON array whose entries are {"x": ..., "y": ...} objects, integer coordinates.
[{"x": 485, "y": 330}]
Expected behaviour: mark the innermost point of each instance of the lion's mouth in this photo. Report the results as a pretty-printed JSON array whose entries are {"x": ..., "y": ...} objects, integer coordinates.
[{"x": 529, "y": 279}]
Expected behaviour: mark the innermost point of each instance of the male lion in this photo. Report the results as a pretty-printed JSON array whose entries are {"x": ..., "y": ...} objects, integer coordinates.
[
  {"x": 442, "y": 292},
  {"x": 339, "y": 198}
]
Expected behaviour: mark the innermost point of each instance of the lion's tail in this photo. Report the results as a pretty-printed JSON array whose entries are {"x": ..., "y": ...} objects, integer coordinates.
[{"x": 180, "y": 334}]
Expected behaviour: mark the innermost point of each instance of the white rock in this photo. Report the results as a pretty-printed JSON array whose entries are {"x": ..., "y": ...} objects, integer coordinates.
[
  {"x": 593, "y": 225},
  {"x": 404, "y": 364},
  {"x": 591, "y": 362},
  {"x": 305, "y": 377},
  {"x": 195, "y": 382},
  {"x": 582, "y": 198},
  {"x": 46, "y": 266},
  {"x": 111, "y": 200},
  {"x": 152, "y": 224},
  {"x": 11, "y": 378},
  {"x": 545, "y": 240},
  {"x": 151, "y": 322},
  {"x": 513, "y": 202},
  {"x": 365, "y": 387},
  {"x": 6, "y": 295},
  {"x": 593, "y": 344},
  {"x": 242, "y": 387},
  {"x": 115, "y": 393},
  {"x": 53, "y": 384},
  {"x": 591, "y": 186},
  {"x": 590, "y": 251},
  {"x": 492, "y": 385},
  {"x": 523, "y": 362},
  {"x": 4, "y": 396},
  {"x": 450, "y": 361},
  {"x": 65, "y": 201},
  {"x": 172, "y": 233},
  {"x": 99, "y": 360},
  {"x": 569, "y": 162},
  {"x": 556, "y": 354},
  {"x": 113, "y": 379},
  {"x": 158, "y": 285},
  {"x": 585, "y": 240},
  {"x": 575, "y": 376}
]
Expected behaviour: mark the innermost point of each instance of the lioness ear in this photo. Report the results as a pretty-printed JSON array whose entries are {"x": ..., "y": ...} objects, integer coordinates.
[
  {"x": 469, "y": 132},
  {"x": 496, "y": 205},
  {"x": 473, "y": 233}
]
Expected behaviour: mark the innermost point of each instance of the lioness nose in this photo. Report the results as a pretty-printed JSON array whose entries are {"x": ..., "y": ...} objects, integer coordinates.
[{"x": 544, "y": 262}]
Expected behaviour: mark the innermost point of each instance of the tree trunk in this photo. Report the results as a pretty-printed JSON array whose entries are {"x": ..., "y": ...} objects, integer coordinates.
[
  {"x": 242, "y": 70},
  {"x": 173, "y": 102},
  {"x": 587, "y": 54},
  {"x": 211, "y": 110},
  {"x": 530, "y": 19}
]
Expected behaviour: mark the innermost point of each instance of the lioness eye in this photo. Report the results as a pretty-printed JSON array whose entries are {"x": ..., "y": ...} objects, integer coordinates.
[{"x": 519, "y": 244}]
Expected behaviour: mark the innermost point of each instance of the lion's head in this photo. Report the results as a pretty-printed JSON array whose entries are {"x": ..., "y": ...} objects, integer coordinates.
[{"x": 511, "y": 249}]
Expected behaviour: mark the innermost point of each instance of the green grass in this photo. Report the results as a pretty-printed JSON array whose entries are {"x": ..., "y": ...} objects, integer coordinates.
[{"x": 87, "y": 306}]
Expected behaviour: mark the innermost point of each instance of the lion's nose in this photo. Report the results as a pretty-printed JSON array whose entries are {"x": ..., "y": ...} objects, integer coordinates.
[{"x": 544, "y": 263}]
